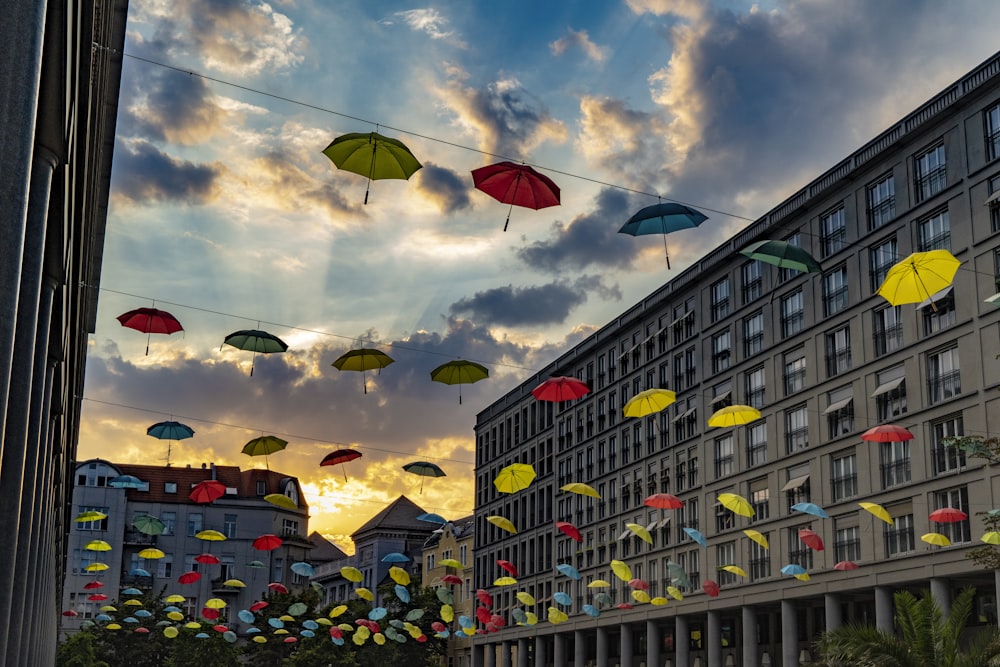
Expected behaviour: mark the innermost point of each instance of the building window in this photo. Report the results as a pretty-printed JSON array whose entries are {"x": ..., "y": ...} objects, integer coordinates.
[
  {"x": 895, "y": 463},
  {"x": 261, "y": 488},
  {"x": 787, "y": 274},
  {"x": 930, "y": 172},
  {"x": 991, "y": 125},
  {"x": 721, "y": 351},
  {"x": 947, "y": 459},
  {"x": 169, "y": 520},
  {"x": 845, "y": 477},
  {"x": 757, "y": 444},
  {"x": 760, "y": 499},
  {"x": 685, "y": 369},
  {"x": 753, "y": 334},
  {"x": 840, "y": 412},
  {"x": 835, "y": 292},
  {"x": 833, "y": 230},
  {"x": 899, "y": 538},
  {"x": 683, "y": 323},
  {"x": 881, "y": 196},
  {"x": 720, "y": 299},
  {"x": 838, "y": 351},
  {"x": 792, "y": 314},
  {"x": 754, "y": 388},
  {"x": 847, "y": 544},
  {"x": 935, "y": 232},
  {"x": 194, "y": 523},
  {"x": 943, "y": 375},
  {"x": 723, "y": 518},
  {"x": 957, "y": 498},
  {"x": 685, "y": 419},
  {"x": 760, "y": 561},
  {"x": 890, "y": 395},
  {"x": 229, "y": 526},
  {"x": 725, "y": 554},
  {"x": 939, "y": 311},
  {"x": 796, "y": 429},
  {"x": 99, "y": 524},
  {"x": 794, "y": 372},
  {"x": 881, "y": 258},
  {"x": 170, "y": 487},
  {"x": 798, "y": 552},
  {"x": 887, "y": 329},
  {"x": 723, "y": 456},
  {"x": 753, "y": 281},
  {"x": 722, "y": 395},
  {"x": 994, "y": 201}
]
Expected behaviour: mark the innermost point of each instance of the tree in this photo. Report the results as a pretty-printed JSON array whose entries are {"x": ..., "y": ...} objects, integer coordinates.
[
  {"x": 78, "y": 651},
  {"x": 925, "y": 638}
]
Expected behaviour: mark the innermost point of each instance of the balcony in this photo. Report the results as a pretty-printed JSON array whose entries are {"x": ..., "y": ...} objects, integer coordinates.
[
  {"x": 144, "y": 583},
  {"x": 219, "y": 589},
  {"x": 294, "y": 538},
  {"x": 134, "y": 537}
]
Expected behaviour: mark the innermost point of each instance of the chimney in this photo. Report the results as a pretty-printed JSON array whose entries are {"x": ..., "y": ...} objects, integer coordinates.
[
  {"x": 213, "y": 469},
  {"x": 203, "y": 466}
]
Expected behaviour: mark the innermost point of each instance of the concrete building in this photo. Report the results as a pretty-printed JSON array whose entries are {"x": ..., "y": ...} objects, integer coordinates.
[
  {"x": 241, "y": 515},
  {"x": 58, "y": 107},
  {"x": 823, "y": 358},
  {"x": 454, "y": 540}
]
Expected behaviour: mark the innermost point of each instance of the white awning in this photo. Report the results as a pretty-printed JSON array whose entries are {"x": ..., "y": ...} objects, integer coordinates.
[
  {"x": 993, "y": 300},
  {"x": 934, "y": 298},
  {"x": 796, "y": 483},
  {"x": 721, "y": 397},
  {"x": 651, "y": 527},
  {"x": 839, "y": 405},
  {"x": 684, "y": 415},
  {"x": 665, "y": 522},
  {"x": 992, "y": 198},
  {"x": 625, "y": 534},
  {"x": 683, "y": 317},
  {"x": 886, "y": 387}
]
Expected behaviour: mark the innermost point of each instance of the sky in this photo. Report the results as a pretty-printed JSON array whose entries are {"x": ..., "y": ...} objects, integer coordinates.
[{"x": 225, "y": 212}]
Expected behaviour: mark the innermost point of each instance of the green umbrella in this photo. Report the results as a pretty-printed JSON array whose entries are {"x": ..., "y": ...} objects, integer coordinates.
[
  {"x": 148, "y": 524},
  {"x": 255, "y": 340},
  {"x": 782, "y": 254},
  {"x": 363, "y": 360},
  {"x": 372, "y": 155},
  {"x": 424, "y": 469},
  {"x": 459, "y": 372},
  {"x": 264, "y": 445}
]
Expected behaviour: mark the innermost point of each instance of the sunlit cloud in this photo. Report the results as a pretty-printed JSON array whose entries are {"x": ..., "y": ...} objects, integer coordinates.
[
  {"x": 580, "y": 39},
  {"x": 430, "y": 22}
]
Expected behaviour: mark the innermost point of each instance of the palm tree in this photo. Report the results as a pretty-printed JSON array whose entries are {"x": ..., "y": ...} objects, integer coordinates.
[{"x": 925, "y": 638}]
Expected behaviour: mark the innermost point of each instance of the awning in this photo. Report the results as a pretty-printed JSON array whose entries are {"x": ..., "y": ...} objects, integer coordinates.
[
  {"x": 795, "y": 484},
  {"x": 684, "y": 415},
  {"x": 665, "y": 522},
  {"x": 651, "y": 527},
  {"x": 886, "y": 387},
  {"x": 683, "y": 317},
  {"x": 838, "y": 406},
  {"x": 992, "y": 198},
  {"x": 625, "y": 534},
  {"x": 934, "y": 298},
  {"x": 721, "y": 397}
]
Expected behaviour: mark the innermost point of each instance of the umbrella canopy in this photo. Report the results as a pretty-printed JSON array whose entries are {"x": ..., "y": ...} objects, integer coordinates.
[
  {"x": 264, "y": 445},
  {"x": 256, "y": 341},
  {"x": 234, "y": 583},
  {"x": 90, "y": 515},
  {"x": 599, "y": 583},
  {"x": 281, "y": 500},
  {"x": 363, "y": 360},
  {"x": 734, "y": 569},
  {"x": 811, "y": 539},
  {"x": 517, "y": 185},
  {"x": 678, "y": 574},
  {"x": 424, "y": 469},
  {"x": 640, "y": 532},
  {"x": 210, "y": 536},
  {"x": 395, "y": 557},
  {"x": 451, "y": 579},
  {"x": 302, "y": 569},
  {"x": 148, "y": 524},
  {"x": 150, "y": 321},
  {"x": 918, "y": 277},
  {"x": 267, "y": 542},
  {"x": 207, "y": 491},
  {"x": 581, "y": 488},
  {"x": 502, "y": 523},
  {"x": 649, "y": 402},
  {"x": 351, "y": 573},
  {"x": 736, "y": 503},
  {"x": 560, "y": 597},
  {"x": 126, "y": 482},
  {"x": 505, "y": 581},
  {"x": 569, "y": 571},
  {"x": 507, "y": 565},
  {"x": 733, "y": 415},
  {"x": 811, "y": 508},
  {"x": 459, "y": 372},
  {"x": 936, "y": 539},
  {"x": 189, "y": 577},
  {"x": 793, "y": 569},
  {"x": 431, "y": 517},
  {"x": 451, "y": 562},
  {"x": 372, "y": 155},
  {"x": 279, "y": 587},
  {"x": 710, "y": 587},
  {"x": 662, "y": 218},
  {"x": 782, "y": 254},
  {"x": 170, "y": 430},
  {"x": 992, "y": 537},
  {"x": 484, "y": 597},
  {"x": 621, "y": 570},
  {"x": 878, "y": 511},
  {"x": 845, "y": 565},
  {"x": 696, "y": 535},
  {"x": 602, "y": 598},
  {"x": 887, "y": 433},
  {"x": 560, "y": 388},
  {"x": 570, "y": 530},
  {"x": 97, "y": 545},
  {"x": 757, "y": 537},
  {"x": 340, "y": 456},
  {"x": 663, "y": 501},
  {"x": 514, "y": 478},
  {"x": 948, "y": 515},
  {"x": 207, "y": 559}
]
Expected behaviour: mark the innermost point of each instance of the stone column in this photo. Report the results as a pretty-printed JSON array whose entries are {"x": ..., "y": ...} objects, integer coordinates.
[
  {"x": 682, "y": 641},
  {"x": 559, "y": 650},
  {"x": 522, "y": 652},
  {"x": 789, "y": 635},
  {"x": 941, "y": 593},
  {"x": 602, "y": 647},
  {"x": 505, "y": 659},
  {"x": 749, "y": 636},
  {"x": 477, "y": 655},
  {"x": 714, "y": 639},
  {"x": 490, "y": 655},
  {"x": 540, "y": 651},
  {"x": 653, "y": 641},
  {"x": 883, "y": 609},
  {"x": 834, "y": 616},
  {"x": 579, "y": 648}
]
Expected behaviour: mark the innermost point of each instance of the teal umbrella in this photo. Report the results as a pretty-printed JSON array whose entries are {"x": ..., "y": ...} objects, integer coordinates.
[
  {"x": 424, "y": 469},
  {"x": 148, "y": 525},
  {"x": 257, "y": 341},
  {"x": 663, "y": 218},
  {"x": 782, "y": 254}
]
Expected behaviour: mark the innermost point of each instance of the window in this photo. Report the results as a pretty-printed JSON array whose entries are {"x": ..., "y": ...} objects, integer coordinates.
[
  {"x": 792, "y": 314},
  {"x": 794, "y": 372},
  {"x": 170, "y": 487},
  {"x": 261, "y": 487},
  {"x": 796, "y": 429},
  {"x": 753, "y": 334},
  {"x": 754, "y": 387},
  {"x": 724, "y": 456},
  {"x": 835, "y": 292},
  {"x": 938, "y": 311},
  {"x": 722, "y": 395},
  {"x": 838, "y": 351},
  {"x": 994, "y": 202},
  {"x": 753, "y": 281},
  {"x": 833, "y": 231},
  {"x": 229, "y": 526},
  {"x": 991, "y": 127},
  {"x": 930, "y": 172},
  {"x": 845, "y": 476},
  {"x": 685, "y": 369},
  {"x": 721, "y": 353},
  {"x": 194, "y": 523},
  {"x": 957, "y": 498},
  {"x": 899, "y": 537},
  {"x": 887, "y": 329},
  {"x": 725, "y": 554},
  {"x": 935, "y": 232},
  {"x": 687, "y": 517},
  {"x": 798, "y": 552},
  {"x": 720, "y": 299},
  {"x": 881, "y": 258},
  {"x": 165, "y": 566},
  {"x": 787, "y": 274},
  {"x": 840, "y": 411},
  {"x": 947, "y": 459},
  {"x": 847, "y": 543},
  {"x": 760, "y": 560},
  {"x": 943, "y": 376},
  {"x": 99, "y": 524},
  {"x": 890, "y": 395},
  {"x": 797, "y": 488},
  {"x": 683, "y": 322},
  {"x": 169, "y": 520},
  {"x": 760, "y": 499},
  {"x": 895, "y": 463},
  {"x": 756, "y": 443},
  {"x": 686, "y": 419},
  {"x": 881, "y": 197},
  {"x": 723, "y": 518}
]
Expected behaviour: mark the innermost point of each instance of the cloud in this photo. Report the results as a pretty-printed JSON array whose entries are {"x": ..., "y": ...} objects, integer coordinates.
[
  {"x": 623, "y": 142},
  {"x": 534, "y": 305},
  {"x": 580, "y": 39},
  {"x": 689, "y": 9},
  {"x": 144, "y": 174},
  {"x": 171, "y": 106},
  {"x": 431, "y": 22},
  {"x": 446, "y": 188}
]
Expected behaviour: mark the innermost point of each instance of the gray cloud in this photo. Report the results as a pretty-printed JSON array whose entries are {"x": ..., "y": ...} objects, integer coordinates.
[
  {"x": 143, "y": 174},
  {"x": 171, "y": 106},
  {"x": 534, "y": 305},
  {"x": 446, "y": 188}
]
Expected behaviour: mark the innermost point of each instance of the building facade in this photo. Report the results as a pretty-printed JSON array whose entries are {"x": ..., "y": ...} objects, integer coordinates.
[
  {"x": 241, "y": 516},
  {"x": 453, "y": 541},
  {"x": 823, "y": 358}
]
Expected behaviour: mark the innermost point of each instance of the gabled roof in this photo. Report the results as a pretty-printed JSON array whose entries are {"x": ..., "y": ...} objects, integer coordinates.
[
  {"x": 400, "y": 515},
  {"x": 324, "y": 550}
]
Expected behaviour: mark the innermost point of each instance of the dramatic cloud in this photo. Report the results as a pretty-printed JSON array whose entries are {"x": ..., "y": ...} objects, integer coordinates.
[
  {"x": 691, "y": 9},
  {"x": 531, "y": 306},
  {"x": 624, "y": 143},
  {"x": 166, "y": 105},
  {"x": 431, "y": 22},
  {"x": 447, "y": 189},
  {"x": 143, "y": 174},
  {"x": 580, "y": 39}
]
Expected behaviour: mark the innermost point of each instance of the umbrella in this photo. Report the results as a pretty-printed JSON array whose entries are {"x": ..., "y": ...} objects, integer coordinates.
[
  {"x": 451, "y": 579},
  {"x": 399, "y": 575},
  {"x": 505, "y": 581},
  {"x": 372, "y": 155},
  {"x": 696, "y": 535},
  {"x": 90, "y": 515},
  {"x": 484, "y": 597},
  {"x": 918, "y": 277},
  {"x": 591, "y": 610},
  {"x": 733, "y": 415},
  {"x": 256, "y": 565},
  {"x": 170, "y": 431},
  {"x": 207, "y": 559},
  {"x": 649, "y": 402},
  {"x": 675, "y": 593},
  {"x": 638, "y": 584},
  {"x": 710, "y": 587},
  {"x": 93, "y": 584},
  {"x": 948, "y": 515},
  {"x": 340, "y": 456},
  {"x": 267, "y": 542},
  {"x": 793, "y": 569},
  {"x": 516, "y": 184},
  {"x": 234, "y": 583},
  {"x": 734, "y": 569},
  {"x": 569, "y": 571},
  {"x": 845, "y": 565},
  {"x": 207, "y": 491},
  {"x": 887, "y": 433},
  {"x": 395, "y": 557},
  {"x": 148, "y": 524},
  {"x": 281, "y": 500},
  {"x": 96, "y": 567},
  {"x": 459, "y": 372},
  {"x": 663, "y": 218},
  {"x": 811, "y": 539},
  {"x": 257, "y": 341},
  {"x": 736, "y": 504},
  {"x": 811, "y": 508},
  {"x": 514, "y": 478},
  {"x": 507, "y": 565},
  {"x": 992, "y": 537},
  {"x": 599, "y": 583},
  {"x": 363, "y": 360},
  {"x": 451, "y": 562},
  {"x": 560, "y": 388},
  {"x": 570, "y": 530},
  {"x": 502, "y": 523},
  {"x": 302, "y": 569},
  {"x": 782, "y": 254},
  {"x": 581, "y": 488},
  {"x": 424, "y": 469},
  {"x": 602, "y": 598},
  {"x": 279, "y": 587},
  {"x": 621, "y": 570},
  {"x": 150, "y": 321},
  {"x": 210, "y": 536},
  {"x": 640, "y": 532},
  {"x": 878, "y": 511},
  {"x": 189, "y": 577},
  {"x": 562, "y": 598},
  {"x": 757, "y": 537},
  {"x": 663, "y": 501},
  {"x": 557, "y": 616},
  {"x": 126, "y": 482},
  {"x": 264, "y": 445},
  {"x": 678, "y": 574},
  {"x": 430, "y": 517},
  {"x": 351, "y": 573},
  {"x": 936, "y": 539},
  {"x": 134, "y": 572},
  {"x": 97, "y": 545}
]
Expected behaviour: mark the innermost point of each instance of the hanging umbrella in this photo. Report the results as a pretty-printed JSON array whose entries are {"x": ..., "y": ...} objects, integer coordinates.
[
  {"x": 599, "y": 583},
  {"x": 207, "y": 491},
  {"x": 372, "y": 155},
  {"x": 90, "y": 515},
  {"x": 507, "y": 565},
  {"x": 340, "y": 457},
  {"x": 459, "y": 372},
  {"x": 170, "y": 431},
  {"x": 811, "y": 508},
  {"x": 878, "y": 511},
  {"x": 502, "y": 523},
  {"x": 737, "y": 504},
  {"x": 733, "y": 415},
  {"x": 93, "y": 584},
  {"x": 569, "y": 530},
  {"x": 258, "y": 341},
  {"x": 603, "y": 598},
  {"x": 302, "y": 569},
  {"x": 559, "y": 597},
  {"x": 399, "y": 575},
  {"x": 581, "y": 488},
  {"x": 948, "y": 515},
  {"x": 992, "y": 537},
  {"x": 675, "y": 592},
  {"x": 430, "y": 517},
  {"x": 517, "y": 185},
  {"x": 134, "y": 572},
  {"x": 264, "y": 445},
  {"x": 793, "y": 569},
  {"x": 505, "y": 581},
  {"x": 97, "y": 545},
  {"x": 267, "y": 542},
  {"x": 126, "y": 482},
  {"x": 424, "y": 469},
  {"x": 936, "y": 539},
  {"x": 451, "y": 562},
  {"x": 281, "y": 500},
  {"x": 560, "y": 388},
  {"x": 918, "y": 277},
  {"x": 663, "y": 501},
  {"x": 234, "y": 583},
  {"x": 150, "y": 321},
  {"x": 734, "y": 569},
  {"x": 638, "y": 584},
  {"x": 621, "y": 570},
  {"x": 189, "y": 577},
  {"x": 591, "y": 610},
  {"x": 207, "y": 559},
  {"x": 757, "y": 537},
  {"x": 887, "y": 433},
  {"x": 640, "y": 532},
  {"x": 352, "y": 574},
  {"x": 210, "y": 536},
  {"x": 678, "y": 574},
  {"x": 97, "y": 567},
  {"x": 782, "y": 254},
  {"x": 395, "y": 557},
  {"x": 569, "y": 571},
  {"x": 710, "y": 587},
  {"x": 148, "y": 524},
  {"x": 279, "y": 587},
  {"x": 811, "y": 539},
  {"x": 696, "y": 535},
  {"x": 663, "y": 218},
  {"x": 363, "y": 360},
  {"x": 649, "y": 402},
  {"x": 151, "y": 553},
  {"x": 845, "y": 565},
  {"x": 515, "y": 477},
  {"x": 451, "y": 579}
]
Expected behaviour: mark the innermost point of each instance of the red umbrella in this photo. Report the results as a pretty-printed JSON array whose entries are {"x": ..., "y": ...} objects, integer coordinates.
[
  {"x": 845, "y": 565},
  {"x": 451, "y": 579},
  {"x": 207, "y": 559},
  {"x": 948, "y": 515},
  {"x": 258, "y": 605},
  {"x": 207, "y": 491},
  {"x": 142, "y": 631},
  {"x": 189, "y": 577},
  {"x": 484, "y": 597},
  {"x": 483, "y": 614},
  {"x": 150, "y": 321},
  {"x": 220, "y": 628},
  {"x": 438, "y": 626},
  {"x": 887, "y": 433},
  {"x": 97, "y": 597},
  {"x": 710, "y": 587},
  {"x": 267, "y": 542},
  {"x": 638, "y": 584},
  {"x": 507, "y": 565},
  {"x": 498, "y": 620},
  {"x": 663, "y": 501},
  {"x": 560, "y": 389},
  {"x": 277, "y": 588},
  {"x": 340, "y": 456},
  {"x": 210, "y": 614},
  {"x": 623, "y": 605},
  {"x": 290, "y": 640},
  {"x": 517, "y": 185},
  {"x": 70, "y": 613},
  {"x": 92, "y": 584},
  {"x": 569, "y": 529},
  {"x": 811, "y": 539}
]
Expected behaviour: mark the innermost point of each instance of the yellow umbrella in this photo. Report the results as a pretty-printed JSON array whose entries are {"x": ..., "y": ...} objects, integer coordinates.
[
  {"x": 530, "y": 615},
  {"x": 90, "y": 515},
  {"x": 216, "y": 603},
  {"x": 281, "y": 500},
  {"x": 174, "y": 598},
  {"x": 365, "y": 594},
  {"x": 514, "y": 478},
  {"x": 113, "y": 626},
  {"x": 659, "y": 601},
  {"x": 918, "y": 277},
  {"x": 802, "y": 576},
  {"x": 132, "y": 603},
  {"x": 621, "y": 570},
  {"x": 675, "y": 593},
  {"x": 557, "y": 615},
  {"x": 399, "y": 575},
  {"x": 936, "y": 538},
  {"x": 286, "y": 618},
  {"x": 735, "y": 569},
  {"x": 281, "y": 631},
  {"x": 757, "y": 537},
  {"x": 878, "y": 511},
  {"x": 640, "y": 532},
  {"x": 641, "y": 597},
  {"x": 505, "y": 581},
  {"x": 260, "y": 639},
  {"x": 352, "y": 574},
  {"x": 97, "y": 545},
  {"x": 175, "y": 616},
  {"x": 525, "y": 598},
  {"x": 502, "y": 523},
  {"x": 338, "y": 610},
  {"x": 346, "y": 627},
  {"x": 649, "y": 402},
  {"x": 210, "y": 536},
  {"x": 170, "y": 632},
  {"x": 151, "y": 552},
  {"x": 109, "y": 607},
  {"x": 378, "y": 638},
  {"x": 992, "y": 537},
  {"x": 324, "y": 621},
  {"x": 234, "y": 583},
  {"x": 598, "y": 583},
  {"x": 451, "y": 562},
  {"x": 733, "y": 415},
  {"x": 736, "y": 504},
  {"x": 96, "y": 567},
  {"x": 447, "y": 613},
  {"x": 581, "y": 488}
]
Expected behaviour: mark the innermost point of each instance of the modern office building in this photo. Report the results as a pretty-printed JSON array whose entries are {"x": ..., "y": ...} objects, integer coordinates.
[
  {"x": 823, "y": 358},
  {"x": 58, "y": 108},
  {"x": 453, "y": 541},
  {"x": 241, "y": 516}
]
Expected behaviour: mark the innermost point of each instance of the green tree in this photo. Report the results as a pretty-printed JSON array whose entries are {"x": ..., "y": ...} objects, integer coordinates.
[
  {"x": 187, "y": 650},
  {"x": 925, "y": 638},
  {"x": 78, "y": 651}
]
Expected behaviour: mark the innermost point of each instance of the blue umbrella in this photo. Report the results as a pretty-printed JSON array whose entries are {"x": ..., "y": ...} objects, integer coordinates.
[
  {"x": 130, "y": 619},
  {"x": 307, "y": 633},
  {"x": 444, "y": 634},
  {"x": 811, "y": 508},
  {"x": 126, "y": 482},
  {"x": 245, "y": 615},
  {"x": 276, "y": 623},
  {"x": 377, "y": 614},
  {"x": 303, "y": 569},
  {"x": 591, "y": 610},
  {"x": 139, "y": 572},
  {"x": 170, "y": 431},
  {"x": 519, "y": 616},
  {"x": 310, "y": 624},
  {"x": 569, "y": 571},
  {"x": 662, "y": 219},
  {"x": 430, "y": 517},
  {"x": 143, "y": 613},
  {"x": 562, "y": 598},
  {"x": 696, "y": 535},
  {"x": 793, "y": 569},
  {"x": 229, "y": 636},
  {"x": 465, "y": 622},
  {"x": 252, "y": 630},
  {"x": 201, "y": 635},
  {"x": 338, "y": 641},
  {"x": 131, "y": 591},
  {"x": 395, "y": 557},
  {"x": 102, "y": 617},
  {"x": 171, "y": 608},
  {"x": 402, "y": 593}
]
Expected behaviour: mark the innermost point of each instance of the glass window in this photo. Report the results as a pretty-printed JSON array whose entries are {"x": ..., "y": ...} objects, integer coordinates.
[
  {"x": 194, "y": 523},
  {"x": 99, "y": 524},
  {"x": 169, "y": 520},
  {"x": 935, "y": 232},
  {"x": 947, "y": 459},
  {"x": 796, "y": 429},
  {"x": 170, "y": 487},
  {"x": 845, "y": 476},
  {"x": 725, "y": 554},
  {"x": 939, "y": 311},
  {"x": 840, "y": 411},
  {"x": 724, "y": 456},
  {"x": 753, "y": 281},
  {"x": 721, "y": 351},
  {"x": 760, "y": 560},
  {"x": 794, "y": 372},
  {"x": 753, "y": 334},
  {"x": 991, "y": 126},
  {"x": 754, "y": 388},
  {"x": 833, "y": 229},
  {"x": 798, "y": 552},
  {"x": 899, "y": 538},
  {"x": 881, "y": 258},
  {"x": 890, "y": 394},
  {"x": 895, "y": 463},
  {"x": 943, "y": 375},
  {"x": 847, "y": 543},
  {"x": 787, "y": 274},
  {"x": 792, "y": 313},
  {"x": 930, "y": 172},
  {"x": 838, "y": 351},
  {"x": 957, "y": 498},
  {"x": 720, "y": 299},
  {"x": 722, "y": 395},
  {"x": 760, "y": 498},
  {"x": 994, "y": 184},
  {"x": 835, "y": 291},
  {"x": 757, "y": 443},
  {"x": 229, "y": 526},
  {"x": 887, "y": 329},
  {"x": 881, "y": 196}
]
